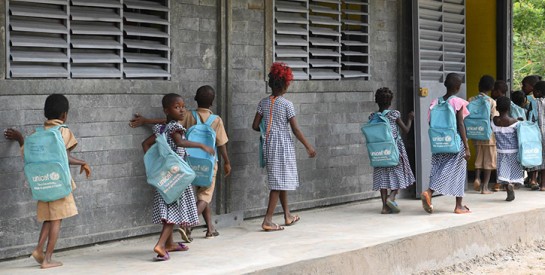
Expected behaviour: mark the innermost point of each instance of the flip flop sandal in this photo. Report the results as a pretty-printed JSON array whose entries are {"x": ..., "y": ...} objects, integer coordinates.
[
  {"x": 510, "y": 193},
  {"x": 393, "y": 206},
  {"x": 160, "y": 258},
  {"x": 181, "y": 247},
  {"x": 295, "y": 219},
  {"x": 426, "y": 202},
  {"x": 209, "y": 235},
  {"x": 271, "y": 229},
  {"x": 465, "y": 211},
  {"x": 534, "y": 186},
  {"x": 186, "y": 237}
]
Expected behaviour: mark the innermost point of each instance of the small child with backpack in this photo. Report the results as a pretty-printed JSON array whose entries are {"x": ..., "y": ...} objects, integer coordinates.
[
  {"x": 450, "y": 150},
  {"x": 399, "y": 175},
  {"x": 528, "y": 83},
  {"x": 500, "y": 89},
  {"x": 51, "y": 210},
  {"x": 183, "y": 211},
  {"x": 518, "y": 101},
  {"x": 539, "y": 104},
  {"x": 510, "y": 171},
  {"x": 484, "y": 107},
  {"x": 278, "y": 115},
  {"x": 213, "y": 134}
]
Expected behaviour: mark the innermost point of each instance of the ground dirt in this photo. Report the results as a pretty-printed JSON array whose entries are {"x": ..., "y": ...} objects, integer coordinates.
[{"x": 518, "y": 259}]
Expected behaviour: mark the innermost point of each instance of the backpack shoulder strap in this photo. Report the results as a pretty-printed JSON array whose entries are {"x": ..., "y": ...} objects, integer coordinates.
[
  {"x": 210, "y": 119},
  {"x": 196, "y": 116},
  {"x": 58, "y": 127}
]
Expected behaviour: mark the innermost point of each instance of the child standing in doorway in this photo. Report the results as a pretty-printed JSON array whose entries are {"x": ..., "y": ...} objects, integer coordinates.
[
  {"x": 279, "y": 149},
  {"x": 448, "y": 170},
  {"x": 500, "y": 89},
  {"x": 510, "y": 172},
  {"x": 396, "y": 177},
  {"x": 205, "y": 97},
  {"x": 485, "y": 160},
  {"x": 539, "y": 103},
  {"x": 52, "y": 213},
  {"x": 183, "y": 211}
]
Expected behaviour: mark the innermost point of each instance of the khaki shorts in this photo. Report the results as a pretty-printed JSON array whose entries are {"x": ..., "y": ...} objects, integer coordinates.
[
  {"x": 486, "y": 157},
  {"x": 206, "y": 193},
  {"x": 57, "y": 210}
]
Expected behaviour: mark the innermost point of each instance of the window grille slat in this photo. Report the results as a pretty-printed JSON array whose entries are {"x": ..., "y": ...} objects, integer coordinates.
[
  {"x": 95, "y": 71},
  {"x": 324, "y": 63},
  {"x": 18, "y": 40},
  {"x": 92, "y": 57},
  {"x": 285, "y": 40},
  {"x": 142, "y": 70},
  {"x": 300, "y": 75},
  {"x": 290, "y": 52},
  {"x": 38, "y": 56},
  {"x": 354, "y": 43},
  {"x": 38, "y": 71},
  {"x": 358, "y": 33},
  {"x": 145, "y": 58},
  {"x": 282, "y": 17},
  {"x": 295, "y": 64},
  {"x": 145, "y": 31},
  {"x": 54, "y": 2},
  {"x": 98, "y": 3},
  {"x": 328, "y": 1},
  {"x": 354, "y": 12},
  {"x": 355, "y": 2},
  {"x": 145, "y": 18},
  {"x": 323, "y": 31},
  {"x": 95, "y": 42},
  {"x": 354, "y": 53},
  {"x": 354, "y": 64},
  {"x": 323, "y": 20},
  {"x": 291, "y": 29},
  {"x": 323, "y": 9},
  {"x": 145, "y": 5},
  {"x": 321, "y": 41},
  {"x": 323, "y": 52},
  {"x": 93, "y": 28},
  {"x": 145, "y": 45},
  {"x": 324, "y": 74},
  {"x": 94, "y": 14},
  {"x": 354, "y": 22},
  {"x": 353, "y": 74},
  {"x": 287, "y": 6},
  {"x": 38, "y": 26},
  {"x": 45, "y": 11}
]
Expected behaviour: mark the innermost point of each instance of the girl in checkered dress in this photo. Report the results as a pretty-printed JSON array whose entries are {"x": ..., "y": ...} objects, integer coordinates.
[
  {"x": 448, "y": 170},
  {"x": 396, "y": 177},
  {"x": 183, "y": 211},
  {"x": 278, "y": 114}
]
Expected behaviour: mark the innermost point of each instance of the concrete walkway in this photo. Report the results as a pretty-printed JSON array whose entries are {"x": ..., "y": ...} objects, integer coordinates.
[{"x": 346, "y": 239}]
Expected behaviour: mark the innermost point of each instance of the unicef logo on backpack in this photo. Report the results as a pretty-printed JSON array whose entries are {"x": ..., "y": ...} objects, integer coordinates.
[
  {"x": 532, "y": 152},
  {"x": 384, "y": 152}
]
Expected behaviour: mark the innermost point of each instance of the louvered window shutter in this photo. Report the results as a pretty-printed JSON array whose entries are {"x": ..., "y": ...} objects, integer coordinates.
[
  {"x": 442, "y": 39},
  {"x": 38, "y": 38},
  {"x": 147, "y": 40},
  {"x": 88, "y": 39},
  {"x": 355, "y": 39},
  {"x": 291, "y": 36},
  {"x": 322, "y": 39}
]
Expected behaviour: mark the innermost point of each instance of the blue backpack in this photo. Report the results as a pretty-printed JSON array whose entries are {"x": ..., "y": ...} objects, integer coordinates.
[
  {"x": 381, "y": 145},
  {"x": 517, "y": 112},
  {"x": 529, "y": 143},
  {"x": 166, "y": 170},
  {"x": 443, "y": 132},
  {"x": 46, "y": 165},
  {"x": 477, "y": 123},
  {"x": 200, "y": 161}
]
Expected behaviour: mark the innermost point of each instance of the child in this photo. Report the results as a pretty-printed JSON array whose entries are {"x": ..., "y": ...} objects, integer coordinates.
[
  {"x": 539, "y": 94},
  {"x": 510, "y": 172},
  {"x": 52, "y": 213},
  {"x": 517, "y": 106},
  {"x": 499, "y": 90},
  {"x": 279, "y": 149},
  {"x": 205, "y": 97},
  {"x": 528, "y": 83},
  {"x": 400, "y": 176},
  {"x": 183, "y": 211},
  {"x": 486, "y": 149},
  {"x": 448, "y": 171}
]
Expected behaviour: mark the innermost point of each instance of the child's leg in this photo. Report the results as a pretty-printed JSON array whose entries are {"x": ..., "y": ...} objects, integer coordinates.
[
  {"x": 542, "y": 180},
  {"x": 38, "y": 252},
  {"x": 207, "y": 215},
  {"x": 288, "y": 218},
  {"x": 477, "y": 182},
  {"x": 486, "y": 179},
  {"x": 460, "y": 209},
  {"x": 384, "y": 198},
  {"x": 267, "y": 222},
  {"x": 533, "y": 181},
  {"x": 166, "y": 233},
  {"x": 393, "y": 195},
  {"x": 54, "y": 229}
]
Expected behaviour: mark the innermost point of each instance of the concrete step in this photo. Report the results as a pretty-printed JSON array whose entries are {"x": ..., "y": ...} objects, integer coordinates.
[{"x": 347, "y": 239}]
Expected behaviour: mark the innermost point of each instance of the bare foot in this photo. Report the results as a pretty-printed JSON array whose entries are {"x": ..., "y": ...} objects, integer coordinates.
[
  {"x": 160, "y": 251},
  {"x": 173, "y": 247},
  {"x": 463, "y": 210},
  {"x": 50, "y": 264},
  {"x": 477, "y": 185},
  {"x": 38, "y": 255},
  {"x": 268, "y": 226},
  {"x": 486, "y": 192},
  {"x": 386, "y": 210}
]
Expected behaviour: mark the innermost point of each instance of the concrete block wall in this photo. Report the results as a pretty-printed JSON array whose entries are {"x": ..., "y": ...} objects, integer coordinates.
[{"x": 116, "y": 202}]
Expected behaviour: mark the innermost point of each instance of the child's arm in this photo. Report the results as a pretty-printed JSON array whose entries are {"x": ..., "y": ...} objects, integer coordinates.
[
  {"x": 257, "y": 121},
  {"x": 84, "y": 166},
  {"x": 462, "y": 130},
  {"x": 226, "y": 163},
  {"x": 13, "y": 134},
  {"x": 406, "y": 127},
  {"x": 190, "y": 144},
  {"x": 301, "y": 137},
  {"x": 139, "y": 120},
  {"x": 146, "y": 144}
]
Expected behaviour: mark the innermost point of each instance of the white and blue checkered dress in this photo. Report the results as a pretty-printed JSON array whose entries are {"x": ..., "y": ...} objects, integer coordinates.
[
  {"x": 279, "y": 148},
  {"x": 183, "y": 211},
  {"x": 509, "y": 168},
  {"x": 397, "y": 177},
  {"x": 448, "y": 173}
]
